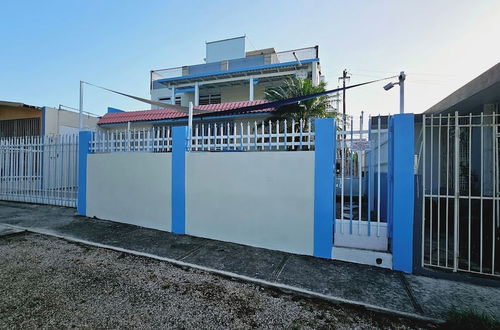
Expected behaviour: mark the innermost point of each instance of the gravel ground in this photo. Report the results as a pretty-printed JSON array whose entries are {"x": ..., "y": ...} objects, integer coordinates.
[{"x": 51, "y": 283}]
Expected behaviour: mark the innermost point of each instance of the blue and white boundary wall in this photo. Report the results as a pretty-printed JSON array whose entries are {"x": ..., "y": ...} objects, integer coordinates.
[
  {"x": 280, "y": 200},
  {"x": 274, "y": 199}
]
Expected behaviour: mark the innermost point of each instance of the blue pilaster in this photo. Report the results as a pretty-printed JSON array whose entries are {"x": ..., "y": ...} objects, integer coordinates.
[
  {"x": 42, "y": 125},
  {"x": 402, "y": 191},
  {"x": 84, "y": 138},
  {"x": 179, "y": 144},
  {"x": 324, "y": 187}
]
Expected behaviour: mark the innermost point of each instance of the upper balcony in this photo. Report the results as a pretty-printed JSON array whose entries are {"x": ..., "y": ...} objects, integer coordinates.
[{"x": 254, "y": 62}]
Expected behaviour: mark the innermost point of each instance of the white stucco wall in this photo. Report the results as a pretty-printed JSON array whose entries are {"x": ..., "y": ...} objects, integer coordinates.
[
  {"x": 66, "y": 122},
  {"x": 263, "y": 199},
  {"x": 133, "y": 188}
]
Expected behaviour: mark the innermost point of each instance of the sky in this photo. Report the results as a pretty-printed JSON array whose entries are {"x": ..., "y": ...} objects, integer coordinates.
[{"x": 49, "y": 46}]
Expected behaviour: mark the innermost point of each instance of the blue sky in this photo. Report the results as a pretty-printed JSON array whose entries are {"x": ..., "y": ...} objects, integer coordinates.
[{"x": 48, "y": 46}]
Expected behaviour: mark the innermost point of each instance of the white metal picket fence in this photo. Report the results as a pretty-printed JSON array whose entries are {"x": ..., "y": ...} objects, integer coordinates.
[
  {"x": 461, "y": 193},
  {"x": 155, "y": 139},
  {"x": 284, "y": 135},
  {"x": 361, "y": 186},
  {"x": 273, "y": 135},
  {"x": 39, "y": 169}
]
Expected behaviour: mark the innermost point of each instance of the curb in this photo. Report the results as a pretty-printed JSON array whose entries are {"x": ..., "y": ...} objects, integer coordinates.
[{"x": 282, "y": 287}]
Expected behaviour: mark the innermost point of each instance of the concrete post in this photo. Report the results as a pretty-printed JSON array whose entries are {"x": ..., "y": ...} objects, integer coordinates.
[
  {"x": 250, "y": 89},
  {"x": 324, "y": 187},
  {"x": 196, "y": 94},
  {"x": 84, "y": 138},
  {"x": 402, "y": 191},
  {"x": 172, "y": 95},
  {"x": 179, "y": 136}
]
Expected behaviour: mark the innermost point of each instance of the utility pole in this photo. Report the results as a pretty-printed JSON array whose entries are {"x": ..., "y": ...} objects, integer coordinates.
[{"x": 344, "y": 78}]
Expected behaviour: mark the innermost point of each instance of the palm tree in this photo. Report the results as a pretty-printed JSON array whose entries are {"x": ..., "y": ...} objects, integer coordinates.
[
  {"x": 300, "y": 113},
  {"x": 313, "y": 108}
]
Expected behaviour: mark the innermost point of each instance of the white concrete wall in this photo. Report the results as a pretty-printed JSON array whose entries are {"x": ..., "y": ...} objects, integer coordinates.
[
  {"x": 66, "y": 122},
  {"x": 263, "y": 199},
  {"x": 132, "y": 188}
]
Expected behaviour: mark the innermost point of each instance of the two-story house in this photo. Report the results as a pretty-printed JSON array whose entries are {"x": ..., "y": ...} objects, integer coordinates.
[{"x": 230, "y": 78}]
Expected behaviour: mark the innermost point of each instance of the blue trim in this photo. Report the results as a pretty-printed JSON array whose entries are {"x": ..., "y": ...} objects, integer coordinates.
[
  {"x": 114, "y": 110},
  {"x": 184, "y": 90},
  {"x": 84, "y": 138},
  {"x": 42, "y": 129},
  {"x": 402, "y": 192},
  {"x": 179, "y": 135},
  {"x": 258, "y": 67},
  {"x": 324, "y": 185}
]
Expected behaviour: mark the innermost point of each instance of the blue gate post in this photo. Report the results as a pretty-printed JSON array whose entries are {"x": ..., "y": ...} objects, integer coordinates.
[
  {"x": 324, "y": 186},
  {"x": 84, "y": 138},
  {"x": 402, "y": 191},
  {"x": 179, "y": 147}
]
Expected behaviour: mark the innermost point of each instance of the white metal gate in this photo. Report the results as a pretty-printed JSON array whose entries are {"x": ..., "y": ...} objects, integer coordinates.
[
  {"x": 39, "y": 169},
  {"x": 461, "y": 203},
  {"x": 362, "y": 192}
]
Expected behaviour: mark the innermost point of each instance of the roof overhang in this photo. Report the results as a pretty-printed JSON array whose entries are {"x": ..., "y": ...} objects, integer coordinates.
[
  {"x": 204, "y": 117},
  {"x": 482, "y": 90},
  {"x": 17, "y": 105}
]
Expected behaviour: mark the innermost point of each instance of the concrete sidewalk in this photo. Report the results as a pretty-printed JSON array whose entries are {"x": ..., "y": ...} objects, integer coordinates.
[{"x": 372, "y": 287}]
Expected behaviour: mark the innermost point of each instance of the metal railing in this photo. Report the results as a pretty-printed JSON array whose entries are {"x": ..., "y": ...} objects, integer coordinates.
[
  {"x": 275, "y": 135},
  {"x": 155, "y": 139},
  {"x": 240, "y": 63},
  {"x": 460, "y": 171},
  {"x": 361, "y": 185},
  {"x": 39, "y": 169},
  {"x": 272, "y": 135}
]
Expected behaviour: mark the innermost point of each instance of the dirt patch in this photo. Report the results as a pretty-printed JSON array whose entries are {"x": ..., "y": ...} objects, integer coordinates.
[{"x": 51, "y": 283}]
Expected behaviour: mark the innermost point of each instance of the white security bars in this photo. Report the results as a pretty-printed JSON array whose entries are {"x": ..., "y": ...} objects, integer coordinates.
[
  {"x": 155, "y": 139},
  {"x": 39, "y": 169},
  {"x": 461, "y": 203},
  {"x": 361, "y": 185},
  {"x": 275, "y": 135},
  {"x": 272, "y": 135}
]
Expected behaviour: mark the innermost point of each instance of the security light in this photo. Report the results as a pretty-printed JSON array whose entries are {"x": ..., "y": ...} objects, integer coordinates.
[
  {"x": 388, "y": 86},
  {"x": 401, "y": 83}
]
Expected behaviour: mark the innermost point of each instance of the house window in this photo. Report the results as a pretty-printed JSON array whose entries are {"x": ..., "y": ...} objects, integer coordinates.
[
  {"x": 167, "y": 100},
  {"x": 210, "y": 99}
]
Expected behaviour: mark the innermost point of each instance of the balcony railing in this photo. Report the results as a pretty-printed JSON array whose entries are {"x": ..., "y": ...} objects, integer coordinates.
[{"x": 235, "y": 64}]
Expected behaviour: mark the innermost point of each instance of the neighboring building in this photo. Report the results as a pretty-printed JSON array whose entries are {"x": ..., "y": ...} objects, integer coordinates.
[
  {"x": 482, "y": 94},
  {"x": 19, "y": 119},
  {"x": 233, "y": 74},
  {"x": 477, "y": 105}
]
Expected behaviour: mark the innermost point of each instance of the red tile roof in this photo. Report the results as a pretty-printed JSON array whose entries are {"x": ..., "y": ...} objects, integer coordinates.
[{"x": 164, "y": 114}]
